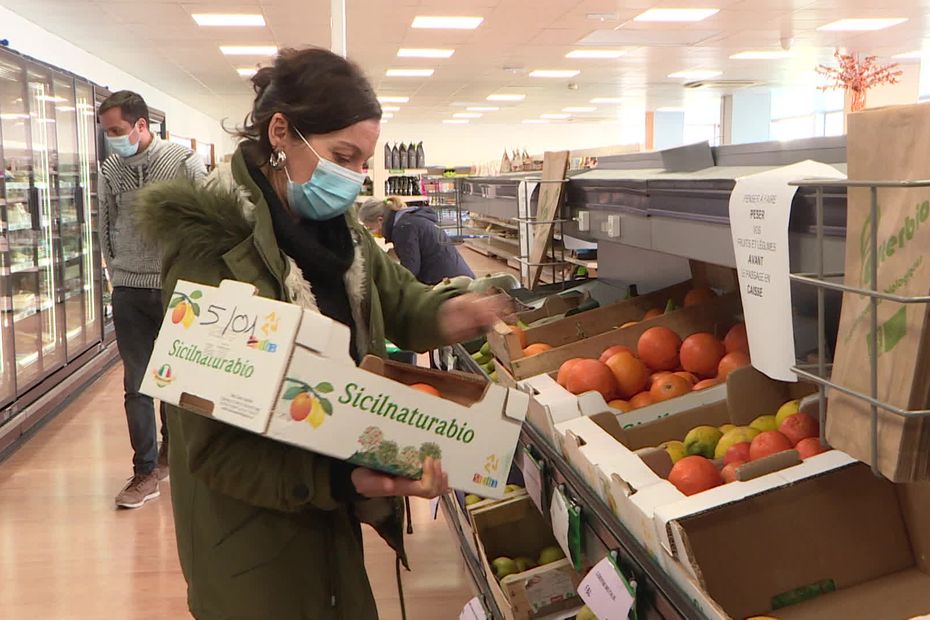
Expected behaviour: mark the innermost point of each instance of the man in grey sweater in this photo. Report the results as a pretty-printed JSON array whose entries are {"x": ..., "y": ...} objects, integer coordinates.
[{"x": 138, "y": 158}]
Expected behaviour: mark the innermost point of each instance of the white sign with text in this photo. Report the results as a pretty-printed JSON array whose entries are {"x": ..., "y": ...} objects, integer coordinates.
[{"x": 760, "y": 207}]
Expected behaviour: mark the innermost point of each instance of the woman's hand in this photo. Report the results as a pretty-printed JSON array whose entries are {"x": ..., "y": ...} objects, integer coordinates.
[
  {"x": 371, "y": 483},
  {"x": 469, "y": 316}
]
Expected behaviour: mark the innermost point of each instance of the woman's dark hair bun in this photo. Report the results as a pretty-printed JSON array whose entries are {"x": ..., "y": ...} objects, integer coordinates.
[{"x": 318, "y": 91}]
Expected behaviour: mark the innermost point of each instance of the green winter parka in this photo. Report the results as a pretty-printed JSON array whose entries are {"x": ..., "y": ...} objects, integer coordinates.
[{"x": 260, "y": 534}]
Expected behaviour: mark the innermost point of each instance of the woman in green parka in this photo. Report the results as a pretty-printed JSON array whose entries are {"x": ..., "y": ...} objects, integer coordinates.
[{"x": 267, "y": 531}]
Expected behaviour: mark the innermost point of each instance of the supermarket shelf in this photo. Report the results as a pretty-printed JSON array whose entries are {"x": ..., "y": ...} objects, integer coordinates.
[
  {"x": 24, "y": 268},
  {"x": 407, "y": 172},
  {"x": 489, "y": 250},
  {"x": 19, "y": 227},
  {"x": 588, "y": 264},
  {"x": 409, "y": 199},
  {"x": 472, "y": 564},
  {"x": 494, "y": 221},
  {"x": 657, "y": 596}
]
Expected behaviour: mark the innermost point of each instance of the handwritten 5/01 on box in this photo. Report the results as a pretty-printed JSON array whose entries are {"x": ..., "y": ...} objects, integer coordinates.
[{"x": 275, "y": 369}]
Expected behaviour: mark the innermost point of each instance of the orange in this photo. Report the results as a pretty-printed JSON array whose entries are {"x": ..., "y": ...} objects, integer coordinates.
[
  {"x": 521, "y": 335},
  {"x": 728, "y": 473},
  {"x": 179, "y": 312},
  {"x": 301, "y": 406},
  {"x": 689, "y": 376},
  {"x": 426, "y": 388},
  {"x": 621, "y": 405},
  {"x": 798, "y": 427},
  {"x": 701, "y": 354},
  {"x": 653, "y": 313},
  {"x": 706, "y": 383},
  {"x": 657, "y": 376},
  {"x": 565, "y": 370},
  {"x": 768, "y": 443},
  {"x": 694, "y": 474},
  {"x": 736, "y": 339},
  {"x": 591, "y": 376},
  {"x": 730, "y": 362},
  {"x": 809, "y": 447},
  {"x": 630, "y": 373},
  {"x": 609, "y": 352},
  {"x": 697, "y": 296},
  {"x": 670, "y": 386},
  {"x": 643, "y": 399},
  {"x": 658, "y": 348},
  {"x": 536, "y": 348}
]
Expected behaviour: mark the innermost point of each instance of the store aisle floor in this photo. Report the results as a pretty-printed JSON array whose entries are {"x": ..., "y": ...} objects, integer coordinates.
[{"x": 67, "y": 554}]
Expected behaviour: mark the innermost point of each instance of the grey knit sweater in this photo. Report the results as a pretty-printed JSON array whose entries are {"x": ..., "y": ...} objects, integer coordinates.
[{"x": 134, "y": 261}]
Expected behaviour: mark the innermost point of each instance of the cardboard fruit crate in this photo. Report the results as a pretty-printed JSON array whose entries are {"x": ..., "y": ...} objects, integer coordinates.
[
  {"x": 506, "y": 347},
  {"x": 515, "y": 528},
  {"x": 283, "y": 372},
  {"x": 715, "y": 317}
]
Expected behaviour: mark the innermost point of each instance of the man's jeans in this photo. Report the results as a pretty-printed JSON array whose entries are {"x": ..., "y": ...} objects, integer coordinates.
[{"x": 137, "y": 316}]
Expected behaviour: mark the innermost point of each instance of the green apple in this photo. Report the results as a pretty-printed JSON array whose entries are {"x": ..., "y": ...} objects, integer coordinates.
[
  {"x": 503, "y": 567},
  {"x": 524, "y": 564},
  {"x": 550, "y": 555},
  {"x": 470, "y": 500},
  {"x": 585, "y": 613},
  {"x": 512, "y": 488}
]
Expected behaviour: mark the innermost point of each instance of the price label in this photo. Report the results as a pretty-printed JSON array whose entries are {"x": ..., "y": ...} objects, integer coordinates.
[
  {"x": 474, "y": 610},
  {"x": 760, "y": 207},
  {"x": 606, "y": 591},
  {"x": 561, "y": 521},
  {"x": 533, "y": 476}
]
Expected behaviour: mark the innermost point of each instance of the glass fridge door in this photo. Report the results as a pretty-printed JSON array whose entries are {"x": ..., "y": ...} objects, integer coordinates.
[
  {"x": 86, "y": 119},
  {"x": 14, "y": 162},
  {"x": 106, "y": 286},
  {"x": 22, "y": 224},
  {"x": 45, "y": 204},
  {"x": 75, "y": 285}
]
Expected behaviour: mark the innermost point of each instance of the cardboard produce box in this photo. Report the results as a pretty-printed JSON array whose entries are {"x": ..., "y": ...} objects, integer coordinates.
[
  {"x": 553, "y": 306},
  {"x": 884, "y": 144},
  {"x": 277, "y": 370},
  {"x": 715, "y": 317},
  {"x": 855, "y": 544},
  {"x": 620, "y": 465},
  {"x": 507, "y": 348},
  {"x": 515, "y": 528}
]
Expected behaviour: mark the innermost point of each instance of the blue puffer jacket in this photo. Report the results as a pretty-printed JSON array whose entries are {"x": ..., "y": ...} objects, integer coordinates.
[{"x": 422, "y": 247}]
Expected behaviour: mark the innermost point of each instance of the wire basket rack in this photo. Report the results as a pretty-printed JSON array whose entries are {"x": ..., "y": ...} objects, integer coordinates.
[
  {"x": 527, "y": 222},
  {"x": 820, "y": 372}
]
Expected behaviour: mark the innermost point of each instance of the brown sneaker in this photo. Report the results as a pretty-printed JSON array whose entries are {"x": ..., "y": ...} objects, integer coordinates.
[
  {"x": 140, "y": 489},
  {"x": 161, "y": 468}
]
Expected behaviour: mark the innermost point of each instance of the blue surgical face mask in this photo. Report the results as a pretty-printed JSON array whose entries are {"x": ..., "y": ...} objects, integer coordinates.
[
  {"x": 122, "y": 146},
  {"x": 329, "y": 193}
]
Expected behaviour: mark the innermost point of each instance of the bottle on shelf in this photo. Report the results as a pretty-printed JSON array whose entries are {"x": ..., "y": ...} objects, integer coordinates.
[
  {"x": 388, "y": 158},
  {"x": 505, "y": 162},
  {"x": 395, "y": 157},
  {"x": 412, "y": 156},
  {"x": 403, "y": 156},
  {"x": 421, "y": 155}
]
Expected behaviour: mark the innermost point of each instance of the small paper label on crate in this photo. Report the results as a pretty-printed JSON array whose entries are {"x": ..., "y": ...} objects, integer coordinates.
[
  {"x": 606, "y": 592},
  {"x": 760, "y": 208},
  {"x": 474, "y": 610},
  {"x": 549, "y": 589},
  {"x": 533, "y": 473}
]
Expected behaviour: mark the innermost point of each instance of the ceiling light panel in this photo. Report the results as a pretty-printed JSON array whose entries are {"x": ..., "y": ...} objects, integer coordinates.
[
  {"x": 675, "y": 15},
  {"x": 249, "y": 50},
  {"x": 596, "y": 54},
  {"x": 422, "y": 52},
  {"x": 482, "y": 108},
  {"x": 554, "y": 73},
  {"x": 455, "y": 121},
  {"x": 696, "y": 74},
  {"x": 607, "y": 100},
  {"x": 246, "y": 71},
  {"x": 409, "y": 72},
  {"x": 555, "y": 117},
  {"x": 229, "y": 19},
  {"x": 467, "y": 115},
  {"x": 862, "y": 25},
  {"x": 393, "y": 99},
  {"x": 535, "y": 121},
  {"x": 390, "y": 108},
  {"x": 505, "y": 97},
  {"x": 447, "y": 23},
  {"x": 580, "y": 108}
]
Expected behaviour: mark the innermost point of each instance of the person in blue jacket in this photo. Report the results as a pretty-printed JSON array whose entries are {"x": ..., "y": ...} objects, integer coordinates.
[{"x": 421, "y": 246}]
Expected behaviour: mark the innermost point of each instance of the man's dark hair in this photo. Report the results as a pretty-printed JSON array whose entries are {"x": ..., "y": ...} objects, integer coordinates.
[
  {"x": 132, "y": 106},
  {"x": 317, "y": 91}
]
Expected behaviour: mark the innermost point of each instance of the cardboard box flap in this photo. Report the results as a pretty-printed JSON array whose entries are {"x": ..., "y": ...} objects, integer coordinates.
[
  {"x": 518, "y": 403},
  {"x": 325, "y": 336},
  {"x": 751, "y": 394},
  {"x": 893, "y": 597},
  {"x": 463, "y": 388},
  {"x": 844, "y": 528}
]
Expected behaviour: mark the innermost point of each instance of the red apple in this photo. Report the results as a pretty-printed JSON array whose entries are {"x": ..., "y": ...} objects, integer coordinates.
[
  {"x": 799, "y": 426},
  {"x": 809, "y": 447},
  {"x": 729, "y": 471},
  {"x": 768, "y": 443}
]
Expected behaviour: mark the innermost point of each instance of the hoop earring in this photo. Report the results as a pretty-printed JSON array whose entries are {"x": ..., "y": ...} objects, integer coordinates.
[{"x": 277, "y": 160}]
